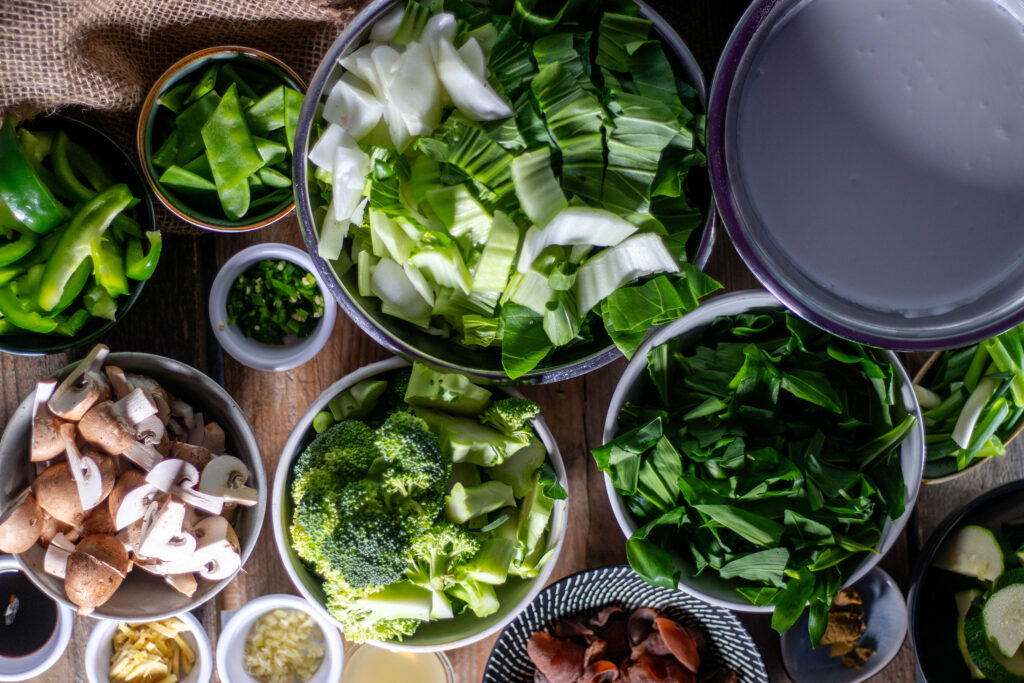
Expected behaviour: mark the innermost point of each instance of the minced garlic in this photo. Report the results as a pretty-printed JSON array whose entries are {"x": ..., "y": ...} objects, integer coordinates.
[{"x": 284, "y": 644}]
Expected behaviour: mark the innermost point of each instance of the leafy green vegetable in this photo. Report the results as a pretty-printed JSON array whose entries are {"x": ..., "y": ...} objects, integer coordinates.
[{"x": 766, "y": 452}]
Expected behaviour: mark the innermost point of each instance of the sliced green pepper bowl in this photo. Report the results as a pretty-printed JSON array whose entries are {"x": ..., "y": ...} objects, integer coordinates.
[
  {"x": 149, "y": 120},
  {"x": 123, "y": 168}
]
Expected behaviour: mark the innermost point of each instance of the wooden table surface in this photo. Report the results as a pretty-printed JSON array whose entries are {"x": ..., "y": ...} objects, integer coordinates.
[{"x": 170, "y": 319}]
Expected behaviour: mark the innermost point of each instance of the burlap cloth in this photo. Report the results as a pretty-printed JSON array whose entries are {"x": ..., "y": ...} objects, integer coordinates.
[{"x": 97, "y": 59}]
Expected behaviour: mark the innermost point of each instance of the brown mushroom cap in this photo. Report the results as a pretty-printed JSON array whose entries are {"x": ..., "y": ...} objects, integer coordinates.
[
  {"x": 51, "y": 527},
  {"x": 129, "y": 480},
  {"x": 47, "y": 441},
  {"x": 23, "y": 526},
  {"x": 95, "y": 571},
  {"x": 57, "y": 493},
  {"x": 99, "y": 521},
  {"x": 106, "y": 427}
]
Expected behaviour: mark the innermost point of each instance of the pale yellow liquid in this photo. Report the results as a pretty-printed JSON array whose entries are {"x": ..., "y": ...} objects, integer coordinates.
[{"x": 369, "y": 664}]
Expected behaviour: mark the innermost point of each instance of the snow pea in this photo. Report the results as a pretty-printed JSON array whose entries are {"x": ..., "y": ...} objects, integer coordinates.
[
  {"x": 267, "y": 113},
  {"x": 205, "y": 85},
  {"x": 21, "y": 189},
  {"x": 292, "y": 107},
  {"x": 186, "y": 182},
  {"x": 189, "y": 125},
  {"x": 75, "y": 245},
  {"x": 139, "y": 264},
  {"x": 232, "y": 153},
  {"x": 174, "y": 99}
]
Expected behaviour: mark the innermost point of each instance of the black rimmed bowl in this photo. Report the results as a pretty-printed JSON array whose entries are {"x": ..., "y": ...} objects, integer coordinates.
[
  {"x": 823, "y": 122},
  {"x": 122, "y": 170},
  {"x": 586, "y": 593},
  {"x": 406, "y": 339},
  {"x": 152, "y": 120},
  {"x": 930, "y": 605}
]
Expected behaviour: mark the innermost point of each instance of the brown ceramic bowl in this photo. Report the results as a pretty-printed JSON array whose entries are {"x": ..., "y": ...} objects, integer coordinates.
[
  {"x": 942, "y": 479},
  {"x": 148, "y": 119}
]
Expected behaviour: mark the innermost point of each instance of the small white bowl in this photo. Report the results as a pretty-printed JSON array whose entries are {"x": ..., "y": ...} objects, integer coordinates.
[
  {"x": 708, "y": 586},
  {"x": 100, "y": 648},
  {"x": 249, "y": 352},
  {"x": 231, "y": 643},
  {"x": 28, "y": 667},
  {"x": 885, "y": 615}
]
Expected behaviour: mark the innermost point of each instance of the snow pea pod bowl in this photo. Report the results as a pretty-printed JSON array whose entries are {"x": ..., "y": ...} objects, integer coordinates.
[
  {"x": 70, "y": 175},
  {"x": 454, "y": 322},
  {"x": 294, "y": 349},
  {"x": 329, "y": 548},
  {"x": 775, "y": 446},
  {"x": 215, "y": 138}
]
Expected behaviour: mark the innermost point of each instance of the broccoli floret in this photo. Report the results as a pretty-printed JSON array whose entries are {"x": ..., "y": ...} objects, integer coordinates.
[
  {"x": 512, "y": 417},
  {"x": 477, "y": 595},
  {"x": 346, "y": 449},
  {"x": 378, "y": 614},
  {"x": 434, "y": 557},
  {"x": 415, "y": 464}
]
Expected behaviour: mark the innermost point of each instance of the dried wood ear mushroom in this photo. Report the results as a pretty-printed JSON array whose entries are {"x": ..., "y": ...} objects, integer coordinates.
[{"x": 122, "y": 474}]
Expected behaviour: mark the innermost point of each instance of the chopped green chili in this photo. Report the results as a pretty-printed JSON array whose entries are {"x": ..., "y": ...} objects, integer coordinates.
[{"x": 275, "y": 299}]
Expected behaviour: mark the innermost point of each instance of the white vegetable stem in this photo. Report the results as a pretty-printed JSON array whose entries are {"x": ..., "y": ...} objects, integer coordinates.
[
  {"x": 638, "y": 256},
  {"x": 975, "y": 403},
  {"x": 575, "y": 225}
]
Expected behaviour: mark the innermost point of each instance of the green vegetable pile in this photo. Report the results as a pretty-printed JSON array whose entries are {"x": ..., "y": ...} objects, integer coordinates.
[
  {"x": 69, "y": 245},
  {"x": 990, "y": 625},
  {"x": 223, "y": 139},
  {"x": 768, "y": 454},
  {"x": 419, "y": 499},
  {"x": 274, "y": 299},
  {"x": 513, "y": 180},
  {"x": 972, "y": 400}
]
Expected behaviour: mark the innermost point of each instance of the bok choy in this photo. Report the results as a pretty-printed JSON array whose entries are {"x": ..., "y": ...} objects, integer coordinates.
[{"x": 514, "y": 180}]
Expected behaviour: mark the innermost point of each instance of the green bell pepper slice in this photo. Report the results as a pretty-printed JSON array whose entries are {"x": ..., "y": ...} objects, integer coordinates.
[
  {"x": 21, "y": 189},
  {"x": 140, "y": 265},
  {"x": 65, "y": 173},
  {"x": 75, "y": 286},
  {"x": 75, "y": 244},
  {"x": 39, "y": 255},
  {"x": 69, "y": 326},
  {"x": 108, "y": 265},
  {"x": 17, "y": 249},
  {"x": 18, "y": 312},
  {"x": 100, "y": 304},
  {"x": 95, "y": 174}
]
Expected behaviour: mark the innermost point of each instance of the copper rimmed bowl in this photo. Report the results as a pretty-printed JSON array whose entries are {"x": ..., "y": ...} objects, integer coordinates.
[
  {"x": 406, "y": 339},
  {"x": 187, "y": 66}
]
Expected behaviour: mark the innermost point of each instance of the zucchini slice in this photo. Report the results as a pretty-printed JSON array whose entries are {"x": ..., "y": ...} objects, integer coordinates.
[
  {"x": 1004, "y": 618},
  {"x": 963, "y": 604},
  {"x": 989, "y": 661},
  {"x": 972, "y": 551}
]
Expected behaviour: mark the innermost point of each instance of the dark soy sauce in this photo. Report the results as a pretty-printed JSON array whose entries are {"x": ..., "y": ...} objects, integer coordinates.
[{"x": 27, "y": 628}]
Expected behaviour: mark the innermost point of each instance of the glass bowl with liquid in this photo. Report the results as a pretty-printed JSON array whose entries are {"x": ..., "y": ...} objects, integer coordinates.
[
  {"x": 371, "y": 664},
  {"x": 34, "y": 630}
]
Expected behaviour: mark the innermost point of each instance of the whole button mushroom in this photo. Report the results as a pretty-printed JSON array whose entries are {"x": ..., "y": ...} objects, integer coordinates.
[
  {"x": 21, "y": 525},
  {"x": 95, "y": 571}
]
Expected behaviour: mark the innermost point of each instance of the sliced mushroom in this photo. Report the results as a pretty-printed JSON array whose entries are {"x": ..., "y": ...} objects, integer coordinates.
[
  {"x": 214, "y": 438},
  {"x": 131, "y": 537},
  {"x": 51, "y": 527},
  {"x": 175, "y": 428},
  {"x": 217, "y": 555},
  {"x": 93, "y": 484},
  {"x": 180, "y": 478},
  {"x": 145, "y": 456},
  {"x": 155, "y": 392},
  {"x": 151, "y": 431},
  {"x": 183, "y": 410},
  {"x": 95, "y": 571},
  {"x": 163, "y": 536},
  {"x": 112, "y": 425},
  {"x": 118, "y": 382},
  {"x": 55, "y": 561},
  {"x": 57, "y": 493},
  {"x": 99, "y": 521},
  {"x": 197, "y": 456},
  {"x": 185, "y": 584},
  {"x": 83, "y": 388},
  {"x": 21, "y": 525},
  {"x": 47, "y": 441},
  {"x": 130, "y": 498},
  {"x": 225, "y": 477}
]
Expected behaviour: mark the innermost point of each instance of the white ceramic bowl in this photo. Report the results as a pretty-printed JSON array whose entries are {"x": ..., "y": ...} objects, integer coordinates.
[
  {"x": 231, "y": 643},
  {"x": 100, "y": 648},
  {"x": 708, "y": 586},
  {"x": 28, "y": 667},
  {"x": 885, "y": 615},
  {"x": 446, "y": 634},
  {"x": 257, "y": 355}
]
